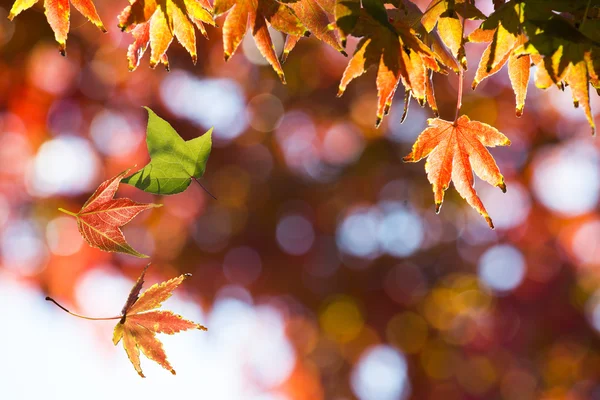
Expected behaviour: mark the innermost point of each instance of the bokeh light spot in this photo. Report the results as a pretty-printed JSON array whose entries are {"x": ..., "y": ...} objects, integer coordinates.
[
  {"x": 67, "y": 165},
  {"x": 566, "y": 178},
  {"x": 381, "y": 374},
  {"x": 63, "y": 237},
  {"x": 295, "y": 234},
  {"x": 341, "y": 319},
  {"x": 502, "y": 268}
]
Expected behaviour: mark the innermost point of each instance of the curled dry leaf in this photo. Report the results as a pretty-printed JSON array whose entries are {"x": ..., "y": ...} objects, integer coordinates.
[
  {"x": 101, "y": 217},
  {"x": 254, "y": 15},
  {"x": 139, "y": 325},
  {"x": 155, "y": 23},
  {"x": 453, "y": 151},
  {"x": 58, "y": 15}
]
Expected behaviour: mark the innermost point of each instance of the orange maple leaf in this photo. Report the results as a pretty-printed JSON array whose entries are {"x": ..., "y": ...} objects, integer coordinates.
[
  {"x": 101, "y": 217},
  {"x": 503, "y": 30},
  {"x": 399, "y": 55},
  {"x": 57, "y": 13},
  {"x": 445, "y": 13},
  {"x": 138, "y": 325},
  {"x": 315, "y": 16},
  {"x": 454, "y": 150},
  {"x": 156, "y": 22},
  {"x": 254, "y": 15}
]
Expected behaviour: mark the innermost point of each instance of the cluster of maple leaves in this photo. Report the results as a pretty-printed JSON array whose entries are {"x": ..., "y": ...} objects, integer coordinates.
[
  {"x": 174, "y": 163},
  {"x": 404, "y": 44}
]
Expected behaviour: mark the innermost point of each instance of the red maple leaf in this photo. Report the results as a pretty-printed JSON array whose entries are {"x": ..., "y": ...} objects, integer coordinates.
[
  {"x": 101, "y": 217},
  {"x": 454, "y": 150},
  {"x": 138, "y": 325}
]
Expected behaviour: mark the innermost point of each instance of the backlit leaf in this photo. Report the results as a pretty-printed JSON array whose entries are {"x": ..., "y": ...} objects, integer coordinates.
[
  {"x": 565, "y": 55},
  {"x": 138, "y": 325},
  {"x": 174, "y": 162},
  {"x": 101, "y": 217},
  {"x": 397, "y": 53},
  {"x": 255, "y": 15},
  {"x": 453, "y": 152},
  {"x": 445, "y": 13},
  {"x": 505, "y": 32},
  {"x": 58, "y": 13},
  {"x": 155, "y": 23},
  {"x": 314, "y": 15}
]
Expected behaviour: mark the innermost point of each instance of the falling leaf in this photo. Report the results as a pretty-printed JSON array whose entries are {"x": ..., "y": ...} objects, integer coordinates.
[
  {"x": 314, "y": 15},
  {"x": 254, "y": 15},
  {"x": 397, "y": 53},
  {"x": 156, "y": 22},
  {"x": 101, "y": 217},
  {"x": 138, "y": 324},
  {"x": 453, "y": 151},
  {"x": 174, "y": 162},
  {"x": 504, "y": 31},
  {"x": 57, "y": 13},
  {"x": 445, "y": 13}
]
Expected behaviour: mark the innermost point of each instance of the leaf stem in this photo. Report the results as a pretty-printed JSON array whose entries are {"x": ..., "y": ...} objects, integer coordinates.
[
  {"x": 461, "y": 75},
  {"x": 202, "y": 186},
  {"x": 67, "y": 212},
  {"x": 81, "y": 316},
  {"x": 585, "y": 14}
]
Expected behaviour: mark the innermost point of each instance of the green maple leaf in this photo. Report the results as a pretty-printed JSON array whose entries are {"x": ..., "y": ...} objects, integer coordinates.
[{"x": 174, "y": 162}]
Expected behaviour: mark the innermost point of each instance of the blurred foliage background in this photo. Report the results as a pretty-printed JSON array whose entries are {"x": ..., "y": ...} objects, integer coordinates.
[{"x": 322, "y": 271}]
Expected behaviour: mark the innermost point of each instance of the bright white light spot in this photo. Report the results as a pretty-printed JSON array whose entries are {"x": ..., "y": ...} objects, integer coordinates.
[
  {"x": 400, "y": 233},
  {"x": 66, "y": 165},
  {"x": 508, "y": 209},
  {"x": 566, "y": 179},
  {"x": 220, "y": 362},
  {"x": 22, "y": 247},
  {"x": 63, "y": 236},
  {"x": 295, "y": 234},
  {"x": 113, "y": 135},
  {"x": 242, "y": 265},
  {"x": 381, "y": 374},
  {"x": 357, "y": 234},
  {"x": 218, "y": 103},
  {"x": 502, "y": 268}
]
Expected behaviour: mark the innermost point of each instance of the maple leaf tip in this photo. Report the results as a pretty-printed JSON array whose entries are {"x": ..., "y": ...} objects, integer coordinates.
[
  {"x": 502, "y": 186},
  {"x": 378, "y": 121},
  {"x": 489, "y": 221},
  {"x": 11, "y": 16},
  {"x": 343, "y": 52},
  {"x": 519, "y": 112},
  {"x": 438, "y": 207},
  {"x": 227, "y": 56}
]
